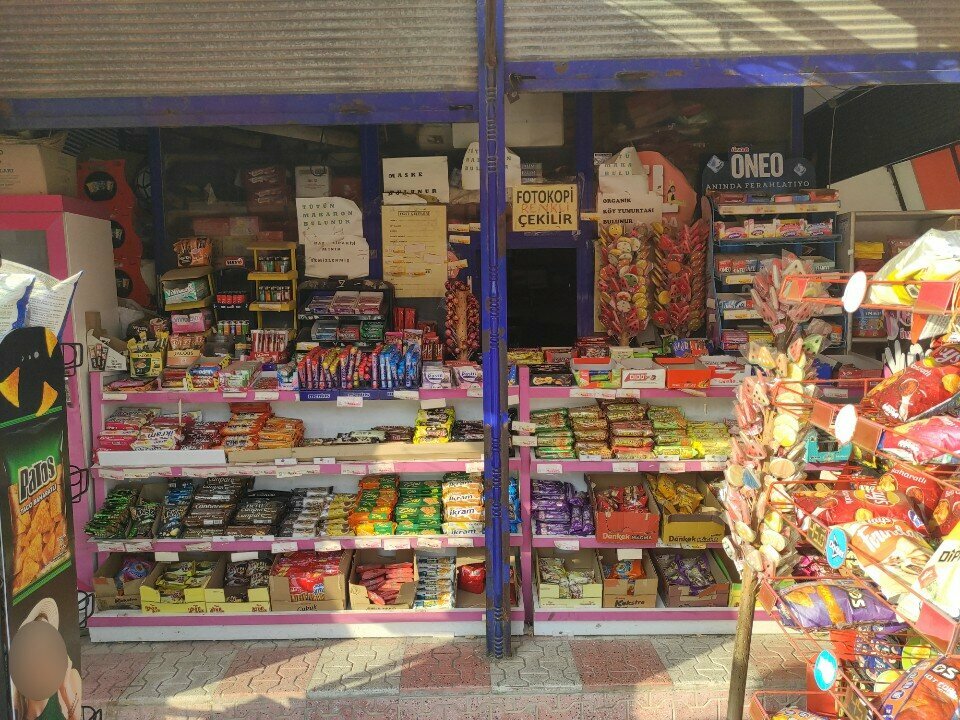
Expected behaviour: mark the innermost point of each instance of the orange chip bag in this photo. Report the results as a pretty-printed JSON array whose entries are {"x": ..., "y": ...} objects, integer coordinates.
[{"x": 921, "y": 387}]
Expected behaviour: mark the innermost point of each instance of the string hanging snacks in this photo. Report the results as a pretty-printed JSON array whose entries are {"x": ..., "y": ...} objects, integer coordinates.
[{"x": 623, "y": 284}]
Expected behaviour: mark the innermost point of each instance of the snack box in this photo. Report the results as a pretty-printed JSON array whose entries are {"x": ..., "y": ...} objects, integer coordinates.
[
  {"x": 760, "y": 229},
  {"x": 716, "y": 595},
  {"x": 628, "y": 593},
  {"x": 182, "y": 357},
  {"x": 334, "y": 591},
  {"x": 625, "y": 352},
  {"x": 408, "y": 591},
  {"x": 595, "y": 373},
  {"x": 684, "y": 374},
  {"x": 738, "y": 263},
  {"x": 820, "y": 227},
  {"x": 557, "y": 354},
  {"x": 734, "y": 301},
  {"x": 698, "y": 527},
  {"x": 618, "y": 526},
  {"x": 146, "y": 363},
  {"x": 728, "y": 371},
  {"x": 216, "y": 226},
  {"x": 191, "y": 322},
  {"x": 725, "y": 231},
  {"x": 194, "y": 600},
  {"x": 37, "y": 170},
  {"x": 790, "y": 227},
  {"x": 642, "y": 373},
  {"x": 815, "y": 452},
  {"x": 108, "y": 596},
  {"x": 217, "y": 597},
  {"x": 821, "y": 263},
  {"x": 549, "y": 593}
]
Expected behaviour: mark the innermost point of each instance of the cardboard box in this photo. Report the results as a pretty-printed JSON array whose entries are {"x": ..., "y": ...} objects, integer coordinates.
[
  {"x": 36, "y": 170},
  {"x": 629, "y": 593},
  {"x": 642, "y": 373},
  {"x": 312, "y": 181},
  {"x": 728, "y": 371},
  {"x": 732, "y": 575},
  {"x": 358, "y": 593},
  {"x": 104, "y": 353},
  {"x": 108, "y": 595},
  {"x": 698, "y": 527},
  {"x": 334, "y": 591},
  {"x": 213, "y": 226},
  {"x": 194, "y": 601},
  {"x": 469, "y": 556},
  {"x": 613, "y": 527},
  {"x": 690, "y": 375},
  {"x": 595, "y": 373},
  {"x": 716, "y": 595},
  {"x": 549, "y": 593},
  {"x": 218, "y": 598}
]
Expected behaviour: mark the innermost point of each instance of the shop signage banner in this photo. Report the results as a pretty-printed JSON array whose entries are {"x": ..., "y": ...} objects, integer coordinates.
[
  {"x": 331, "y": 215},
  {"x": 539, "y": 208},
  {"x": 40, "y": 623},
  {"x": 745, "y": 169},
  {"x": 412, "y": 179}
]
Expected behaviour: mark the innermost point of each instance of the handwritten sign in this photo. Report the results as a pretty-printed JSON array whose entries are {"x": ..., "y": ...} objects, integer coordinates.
[
  {"x": 415, "y": 249},
  {"x": 422, "y": 176},
  {"x": 331, "y": 215},
  {"x": 470, "y": 169},
  {"x": 328, "y": 253},
  {"x": 545, "y": 207}
]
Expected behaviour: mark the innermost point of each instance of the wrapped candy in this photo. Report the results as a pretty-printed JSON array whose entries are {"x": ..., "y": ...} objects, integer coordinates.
[
  {"x": 622, "y": 283},
  {"x": 679, "y": 277}
]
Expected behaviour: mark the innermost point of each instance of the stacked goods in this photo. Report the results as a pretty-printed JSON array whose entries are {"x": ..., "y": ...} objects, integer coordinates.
[
  {"x": 679, "y": 278},
  {"x": 468, "y": 431},
  {"x": 554, "y": 434},
  {"x": 670, "y": 433},
  {"x": 113, "y": 519},
  {"x": 630, "y": 432},
  {"x": 373, "y": 511},
  {"x": 305, "y": 509},
  {"x": 435, "y": 584},
  {"x": 462, "y": 326},
  {"x": 176, "y": 505},
  {"x": 434, "y": 426},
  {"x": 629, "y": 498},
  {"x": 335, "y": 521},
  {"x": 395, "y": 364},
  {"x": 180, "y": 576},
  {"x": 244, "y": 575},
  {"x": 418, "y": 510},
  {"x": 259, "y": 512},
  {"x": 622, "y": 282},
  {"x": 306, "y": 572},
  {"x": 213, "y": 506},
  {"x": 267, "y": 189},
  {"x": 690, "y": 572},
  {"x": 553, "y": 570},
  {"x": 253, "y": 426},
  {"x": 463, "y": 509},
  {"x": 590, "y": 432},
  {"x": 560, "y": 509},
  {"x": 709, "y": 438},
  {"x": 384, "y": 581},
  {"x": 675, "y": 497}
]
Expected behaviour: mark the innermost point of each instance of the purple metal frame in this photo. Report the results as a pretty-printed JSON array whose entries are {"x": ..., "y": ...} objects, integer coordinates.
[
  {"x": 332, "y": 109},
  {"x": 493, "y": 301},
  {"x": 756, "y": 71}
]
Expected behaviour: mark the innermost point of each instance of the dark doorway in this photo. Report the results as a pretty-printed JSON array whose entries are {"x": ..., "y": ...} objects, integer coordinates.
[{"x": 542, "y": 297}]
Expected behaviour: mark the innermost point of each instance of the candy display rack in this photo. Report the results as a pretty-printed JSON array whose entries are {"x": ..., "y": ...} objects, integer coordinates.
[{"x": 274, "y": 277}]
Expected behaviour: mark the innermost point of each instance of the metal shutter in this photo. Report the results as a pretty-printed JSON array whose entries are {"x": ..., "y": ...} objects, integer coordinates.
[
  {"x": 590, "y": 29},
  {"x": 95, "y": 48}
]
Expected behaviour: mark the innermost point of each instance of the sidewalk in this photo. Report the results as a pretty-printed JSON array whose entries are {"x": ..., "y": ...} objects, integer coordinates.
[{"x": 655, "y": 678}]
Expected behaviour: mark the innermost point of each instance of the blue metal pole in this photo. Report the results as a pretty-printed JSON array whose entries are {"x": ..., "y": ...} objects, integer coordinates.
[
  {"x": 583, "y": 149},
  {"x": 371, "y": 189},
  {"x": 493, "y": 298}
]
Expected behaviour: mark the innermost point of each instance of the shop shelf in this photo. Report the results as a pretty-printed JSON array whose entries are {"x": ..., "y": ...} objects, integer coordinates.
[
  {"x": 590, "y": 541},
  {"x": 777, "y": 208},
  {"x": 800, "y": 240},
  {"x": 557, "y": 467},
  {"x": 192, "y": 305},
  {"x": 642, "y": 393},
  {"x": 208, "y": 397},
  {"x": 289, "y": 306},
  {"x": 288, "y": 470},
  {"x": 260, "y": 275},
  {"x": 276, "y": 545}
]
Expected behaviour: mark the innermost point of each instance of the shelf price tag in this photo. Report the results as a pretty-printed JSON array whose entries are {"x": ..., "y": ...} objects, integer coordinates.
[
  {"x": 693, "y": 546},
  {"x": 241, "y": 556},
  {"x": 455, "y": 541},
  {"x": 114, "y": 396},
  {"x": 234, "y": 394},
  {"x": 138, "y": 546},
  {"x": 406, "y": 394},
  {"x": 523, "y": 427},
  {"x": 710, "y": 465},
  {"x": 266, "y": 395},
  {"x": 111, "y": 473},
  {"x": 292, "y": 472},
  {"x": 144, "y": 473},
  {"x": 203, "y": 546},
  {"x": 327, "y": 546},
  {"x": 166, "y": 556},
  {"x": 433, "y": 403},
  {"x": 673, "y": 466},
  {"x": 324, "y": 461},
  {"x": 396, "y": 543},
  {"x": 349, "y": 401},
  {"x": 381, "y": 467},
  {"x": 566, "y": 544},
  {"x": 430, "y": 543},
  {"x": 474, "y": 391},
  {"x": 366, "y": 543},
  {"x": 629, "y": 393},
  {"x": 284, "y": 547},
  {"x": 550, "y": 468},
  {"x": 525, "y": 440},
  {"x": 590, "y": 458},
  {"x": 625, "y": 467},
  {"x": 353, "y": 469},
  {"x": 285, "y": 461},
  {"x": 111, "y": 546},
  {"x": 475, "y": 466}
]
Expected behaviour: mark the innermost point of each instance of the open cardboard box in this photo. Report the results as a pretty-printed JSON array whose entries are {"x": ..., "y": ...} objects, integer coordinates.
[
  {"x": 108, "y": 595},
  {"x": 358, "y": 593},
  {"x": 194, "y": 601},
  {"x": 698, "y": 527},
  {"x": 595, "y": 373},
  {"x": 105, "y": 353},
  {"x": 549, "y": 593},
  {"x": 629, "y": 593},
  {"x": 613, "y": 527},
  {"x": 219, "y": 598},
  {"x": 334, "y": 591},
  {"x": 716, "y": 595},
  {"x": 729, "y": 568},
  {"x": 642, "y": 373},
  {"x": 686, "y": 373},
  {"x": 470, "y": 556}
]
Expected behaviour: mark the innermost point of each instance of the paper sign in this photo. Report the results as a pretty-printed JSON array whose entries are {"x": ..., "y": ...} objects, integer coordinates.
[
  {"x": 429, "y": 543},
  {"x": 324, "y": 461},
  {"x": 234, "y": 394},
  {"x": 327, "y": 546},
  {"x": 566, "y": 544},
  {"x": 474, "y": 467},
  {"x": 143, "y": 473},
  {"x": 380, "y": 467},
  {"x": 415, "y": 249},
  {"x": 203, "y": 546},
  {"x": 470, "y": 169},
  {"x": 523, "y": 427},
  {"x": 433, "y": 403},
  {"x": 629, "y": 202},
  {"x": 406, "y": 394},
  {"x": 349, "y": 401},
  {"x": 625, "y": 467},
  {"x": 455, "y": 541},
  {"x": 525, "y": 441},
  {"x": 673, "y": 467},
  {"x": 327, "y": 253},
  {"x": 266, "y": 395},
  {"x": 423, "y": 176},
  {"x": 292, "y": 472},
  {"x": 475, "y": 392},
  {"x": 285, "y": 461},
  {"x": 166, "y": 556},
  {"x": 550, "y": 469},
  {"x": 111, "y": 473},
  {"x": 545, "y": 207},
  {"x": 586, "y": 457},
  {"x": 137, "y": 545},
  {"x": 284, "y": 547},
  {"x": 114, "y": 396},
  {"x": 111, "y": 546},
  {"x": 353, "y": 469},
  {"x": 365, "y": 543},
  {"x": 330, "y": 215},
  {"x": 708, "y": 465},
  {"x": 396, "y": 543},
  {"x": 593, "y": 393},
  {"x": 624, "y": 164},
  {"x": 242, "y": 556}
]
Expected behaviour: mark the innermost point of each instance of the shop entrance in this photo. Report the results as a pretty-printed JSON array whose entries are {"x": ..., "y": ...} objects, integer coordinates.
[{"x": 542, "y": 293}]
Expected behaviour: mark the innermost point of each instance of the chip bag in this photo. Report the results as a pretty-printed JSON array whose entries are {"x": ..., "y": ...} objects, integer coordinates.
[
  {"x": 924, "y": 386},
  {"x": 844, "y": 506},
  {"x": 939, "y": 581},
  {"x": 823, "y": 604},
  {"x": 928, "y": 691},
  {"x": 792, "y": 713},
  {"x": 928, "y": 440},
  {"x": 890, "y": 552}
]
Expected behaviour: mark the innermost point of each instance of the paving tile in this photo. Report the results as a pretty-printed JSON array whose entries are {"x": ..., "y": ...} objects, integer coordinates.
[
  {"x": 358, "y": 667},
  {"x": 518, "y": 707},
  {"x": 260, "y": 709},
  {"x": 475, "y": 707},
  {"x": 695, "y": 660},
  {"x": 538, "y": 664},
  {"x": 620, "y": 665},
  {"x": 775, "y": 663},
  {"x": 105, "y": 677},
  {"x": 605, "y": 706},
  {"x": 180, "y": 678},
  {"x": 449, "y": 667},
  {"x": 353, "y": 709},
  {"x": 269, "y": 672},
  {"x": 146, "y": 712}
]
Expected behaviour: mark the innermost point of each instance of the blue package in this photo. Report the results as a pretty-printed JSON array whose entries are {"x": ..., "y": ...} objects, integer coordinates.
[{"x": 14, "y": 300}]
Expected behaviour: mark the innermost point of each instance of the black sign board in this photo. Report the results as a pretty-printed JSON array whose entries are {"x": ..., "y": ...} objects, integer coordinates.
[{"x": 744, "y": 169}]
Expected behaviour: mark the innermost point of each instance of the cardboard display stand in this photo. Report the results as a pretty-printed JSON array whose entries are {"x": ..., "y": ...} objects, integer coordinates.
[{"x": 40, "y": 623}]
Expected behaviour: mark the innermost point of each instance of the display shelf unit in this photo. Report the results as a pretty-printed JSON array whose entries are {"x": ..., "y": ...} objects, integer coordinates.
[
  {"x": 589, "y": 541},
  {"x": 280, "y": 544}
]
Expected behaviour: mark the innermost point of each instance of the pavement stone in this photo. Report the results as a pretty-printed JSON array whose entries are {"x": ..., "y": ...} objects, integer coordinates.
[
  {"x": 358, "y": 667},
  {"x": 458, "y": 666},
  {"x": 106, "y": 676},
  {"x": 623, "y": 664},
  {"x": 269, "y": 672},
  {"x": 353, "y": 708},
  {"x": 695, "y": 660},
  {"x": 539, "y": 664},
  {"x": 180, "y": 678}
]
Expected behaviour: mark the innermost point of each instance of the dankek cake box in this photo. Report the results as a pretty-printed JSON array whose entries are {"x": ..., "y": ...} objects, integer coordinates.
[
  {"x": 618, "y": 526},
  {"x": 620, "y": 593}
]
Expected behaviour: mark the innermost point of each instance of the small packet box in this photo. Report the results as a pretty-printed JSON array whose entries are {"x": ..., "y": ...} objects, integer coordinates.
[
  {"x": 686, "y": 375},
  {"x": 191, "y": 322},
  {"x": 623, "y": 526},
  {"x": 642, "y": 373},
  {"x": 550, "y": 592},
  {"x": 359, "y": 600},
  {"x": 618, "y": 593},
  {"x": 596, "y": 373}
]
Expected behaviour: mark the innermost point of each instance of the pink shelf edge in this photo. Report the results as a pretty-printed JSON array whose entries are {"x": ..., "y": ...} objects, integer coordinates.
[
  {"x": 638, "y": 614},
  {"x": 248, "y": 545},
  {"x": 335, "y": 617},
  {"x": 537, "y": 393},
  {"x": 547, "y": 541}
]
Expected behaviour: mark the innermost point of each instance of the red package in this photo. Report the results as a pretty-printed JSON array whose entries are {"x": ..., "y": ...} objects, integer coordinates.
[
  {"x": 946, "y": 515},
  {"x": 923, "y": 490},
  {"x": 930, "y": 690},
  {"x": 844, "y": 506},
  {"x": 929, "y": 440},
  {"x": 921, "y": 387},
  {"x": 472, "y": 578}
]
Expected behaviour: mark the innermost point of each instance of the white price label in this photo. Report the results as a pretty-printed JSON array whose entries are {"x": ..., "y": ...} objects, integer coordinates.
[
  {"x": 625, "y": 467},
  {"x": 429, "y": 543},
  {"x": 523, "y": 427},
  {"x": 475, "y": 466},
  {"x": 292, "y": 472},
  {"x": 201, "y": 472},
  {"x": 593, "y": 393},
  {"x": 668, "y": 458},
  {"x": 353, "y": 469},
  {"x": 111, "y": 473},
  {"x": 366, "y": 543},
  {"x": 203, "y": 546},
  {"x": 525, "y": 440},
  {"x": 455, "y": 541},
  {"x": 673, "y": 467},
  {"x": 628, "y": 393},
  {"x": 706, "y": 466},
  {"x": 234, "y": 394},
  {"x": 114, "y": 396},
  {"x": 327, "y": 546},
  {"x": 284, "y": 547},
  {"x": 285, "y": 461},
  {"x": 566, "y": 544},
  {"x": 433, "y": 403},
  {"x": 550, "y": 468},
  {"x": 266, "y": 395},
  {"x": 715, "y": 458},
  {"x": 381, "y": 467},
  {"x": 138, "y": 545},
  {"x": 143, "y": 473},
  {"x": 324, "y": 461},
  {"x": 241, "y": 556},
  {"x": 475, "y": 392},
  {"x": 111, "y": 546},
  {"x": 166, "y": 556},
  {"x": 406, "y": 394},
  {"x": 223, "y": 538},
  {"x": 349, "y": 401},
  {"x": 396, "y": 543},
  {"x": 584, "y": 457},
  {"x": 693, "y": 546}
]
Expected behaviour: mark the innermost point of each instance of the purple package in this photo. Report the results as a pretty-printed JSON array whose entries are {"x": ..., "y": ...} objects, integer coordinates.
[
  {"x": 832, "y": 603},
  {"x": 548, "y": 504},
  {"x": 589, "y": 527},
  {"x": 576, "y": 521},
  {"x": 549, "y": 528},
  {"x": 562, "y": 515}
]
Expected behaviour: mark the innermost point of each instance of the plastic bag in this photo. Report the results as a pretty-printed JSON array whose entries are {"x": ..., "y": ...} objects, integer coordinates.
[
  {"x": 934, "y": 256},
  {"x": 922, "y": 387},
  {"x": 472, "y": 578},
  {"x": 14, "y": 298}
]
